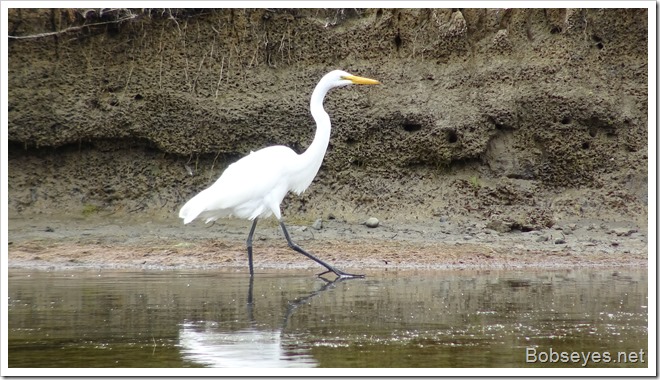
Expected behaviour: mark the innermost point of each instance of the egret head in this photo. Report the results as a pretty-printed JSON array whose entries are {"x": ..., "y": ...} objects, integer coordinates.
[{"x": 341, "y": 78}]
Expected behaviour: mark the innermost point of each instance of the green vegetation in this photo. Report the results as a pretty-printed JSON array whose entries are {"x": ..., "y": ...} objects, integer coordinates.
[{"x": 89, "y": 209}]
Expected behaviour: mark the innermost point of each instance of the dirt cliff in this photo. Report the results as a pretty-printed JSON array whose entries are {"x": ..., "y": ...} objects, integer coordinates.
[{"x": 519, "y": 118}]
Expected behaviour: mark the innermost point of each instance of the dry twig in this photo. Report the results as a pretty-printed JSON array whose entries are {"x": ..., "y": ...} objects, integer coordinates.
[{"x": 73, "y": 28}]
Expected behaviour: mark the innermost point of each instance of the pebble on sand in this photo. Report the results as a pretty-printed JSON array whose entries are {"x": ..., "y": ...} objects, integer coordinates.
[
  {"x": 318, "y": 224},
  {"x": 372, "y": 222}
]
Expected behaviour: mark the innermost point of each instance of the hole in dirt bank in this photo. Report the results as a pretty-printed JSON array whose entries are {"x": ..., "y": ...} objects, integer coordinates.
[
  {"x": 397, "y": 40},
  {"x": 555, "y": 29},
  {"x": 499, "y": 126},
  {"x": 593, "y": 132},
  {"x": 566, "y": 120},
  {"x": 598, "y": 41},
  {"x": 452, "y": 137},
  {"x": 94, "y": 103},
  {"x": 595, "y": 123},
  {"x": 411, "y": 127},
  {"x": 521, "y": 228},
  {"x": 586, "y": 145}
]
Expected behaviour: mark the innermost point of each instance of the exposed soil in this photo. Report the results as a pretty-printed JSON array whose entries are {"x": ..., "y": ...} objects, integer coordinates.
[
  {"x": 144, "y": 243},
  {"x": 496, "y": 133}
]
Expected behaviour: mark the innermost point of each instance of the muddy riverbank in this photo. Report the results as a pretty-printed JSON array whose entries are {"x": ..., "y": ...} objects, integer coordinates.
[
  {"x": 499, "y": 137},
  {"x": 126, "y": 243}
]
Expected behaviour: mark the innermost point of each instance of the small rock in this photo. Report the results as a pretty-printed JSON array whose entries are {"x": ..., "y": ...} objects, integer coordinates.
[
  {"x": 331, "y": 216},
  {"x": 560, "y": 241},
  {"x": 318, "y": 224},
  {"x": 542, "y": 239},
  {"x": 622, "y": 231},
  {"x": 467, "y": 237},
  {"x": 499, "y": 226},
  {"x": 443, "y": 218},
  {"x": 49, "y": 229},
  {"x": 372, "y": 222}
]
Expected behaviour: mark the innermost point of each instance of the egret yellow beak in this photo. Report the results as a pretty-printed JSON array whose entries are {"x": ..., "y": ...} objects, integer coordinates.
[{"x": 361, "y": 80}]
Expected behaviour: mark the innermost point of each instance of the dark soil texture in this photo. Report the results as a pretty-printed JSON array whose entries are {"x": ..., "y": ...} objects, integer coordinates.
[{"x": 493, "y": 130}]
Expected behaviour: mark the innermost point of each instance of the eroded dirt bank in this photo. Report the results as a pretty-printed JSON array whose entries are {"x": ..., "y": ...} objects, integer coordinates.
[{"x": 516, "y": 123}]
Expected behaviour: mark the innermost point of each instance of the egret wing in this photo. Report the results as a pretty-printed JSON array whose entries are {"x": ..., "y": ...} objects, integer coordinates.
[{"x": 252, "y": 186}]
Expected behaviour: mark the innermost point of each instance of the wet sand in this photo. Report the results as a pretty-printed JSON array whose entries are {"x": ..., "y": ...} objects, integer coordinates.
[{"x": 111, "y": 242}]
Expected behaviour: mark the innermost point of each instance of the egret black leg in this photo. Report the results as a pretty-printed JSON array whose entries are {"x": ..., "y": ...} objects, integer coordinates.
[
  {"x": 329, "y": 268},
  {"x": 250, "y": 303},
  {"x": 249, "y": 246}
]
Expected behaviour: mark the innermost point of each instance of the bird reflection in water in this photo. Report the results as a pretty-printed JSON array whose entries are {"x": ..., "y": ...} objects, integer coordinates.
[{"x": 207, "y": 344}]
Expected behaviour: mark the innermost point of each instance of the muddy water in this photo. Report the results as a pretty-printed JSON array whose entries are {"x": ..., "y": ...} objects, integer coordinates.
[{"x": 91, "y": 318}]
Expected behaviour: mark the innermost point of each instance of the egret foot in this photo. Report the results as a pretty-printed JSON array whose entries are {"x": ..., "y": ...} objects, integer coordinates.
[
  {"x": 329, "y": 267},
  {"x": 341, "y": 274}
]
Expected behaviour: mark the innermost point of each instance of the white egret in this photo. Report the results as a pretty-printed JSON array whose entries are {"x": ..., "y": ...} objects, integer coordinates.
[{"x": 254, "y": 186}]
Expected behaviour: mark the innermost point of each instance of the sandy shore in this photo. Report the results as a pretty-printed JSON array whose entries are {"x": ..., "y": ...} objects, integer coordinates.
[{"x": 61, "y": 242}]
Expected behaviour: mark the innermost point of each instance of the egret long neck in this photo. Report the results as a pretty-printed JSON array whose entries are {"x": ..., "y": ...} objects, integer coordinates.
[
  {"x": 316, "y": 150},
  {"x": 311, "y": 159}
]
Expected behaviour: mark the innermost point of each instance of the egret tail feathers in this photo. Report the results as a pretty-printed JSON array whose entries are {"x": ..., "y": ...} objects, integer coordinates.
[
  {"x": 193, "y": 208},
  {"x": 188, "y": 213},
  {"x": 206, "y": 206}
]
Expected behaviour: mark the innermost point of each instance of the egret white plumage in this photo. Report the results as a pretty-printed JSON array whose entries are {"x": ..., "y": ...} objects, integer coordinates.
[{"x": 254, "y": 186}]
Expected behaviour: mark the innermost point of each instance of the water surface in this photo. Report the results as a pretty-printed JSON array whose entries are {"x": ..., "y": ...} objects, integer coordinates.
[{"x": 461, "y": 318}]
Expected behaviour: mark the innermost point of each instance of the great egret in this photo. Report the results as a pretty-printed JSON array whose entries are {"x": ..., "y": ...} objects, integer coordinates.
[{"x": 254, "y": 186}]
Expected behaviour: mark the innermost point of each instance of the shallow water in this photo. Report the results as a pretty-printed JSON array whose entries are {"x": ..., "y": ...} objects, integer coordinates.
[{"x": 461, "y": 318}]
